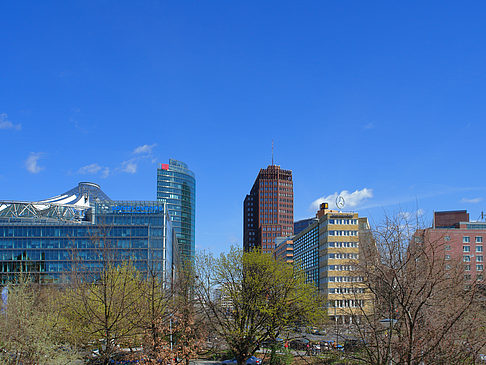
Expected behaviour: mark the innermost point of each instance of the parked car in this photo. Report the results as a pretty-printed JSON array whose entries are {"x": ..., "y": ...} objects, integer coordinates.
[
  {"x": 351, "y": 345},
  {"x": 251, "y": 361},
  {"x": 268, "y": 343},
  {"x": 299, "y": 344}
]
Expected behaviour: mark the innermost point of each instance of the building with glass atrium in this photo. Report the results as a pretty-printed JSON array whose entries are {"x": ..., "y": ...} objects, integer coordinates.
[
  {"x": 43, "y": 238},
  {"x": 176, "y": 186}
]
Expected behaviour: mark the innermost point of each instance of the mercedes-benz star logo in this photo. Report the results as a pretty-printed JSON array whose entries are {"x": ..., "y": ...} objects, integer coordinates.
[{"x": 340, "y": 202}]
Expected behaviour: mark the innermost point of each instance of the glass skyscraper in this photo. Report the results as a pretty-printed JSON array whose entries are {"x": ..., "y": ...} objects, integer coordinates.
[{"x": 176, "y": 186}]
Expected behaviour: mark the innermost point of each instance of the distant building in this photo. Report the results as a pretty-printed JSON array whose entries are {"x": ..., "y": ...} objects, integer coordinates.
[
  {"x": 268, "y": 211},
  {"x": 299, "y": 226},
  {"x": 176, "y": 185},
  {"x": 459, "y": 240},
  {"x": 42, "y": 238},
  {"x": 284, "y": 249}
]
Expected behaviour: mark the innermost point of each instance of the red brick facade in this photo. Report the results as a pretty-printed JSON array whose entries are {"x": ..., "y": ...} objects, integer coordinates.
[
  {"x": 268, "y": 209},
  {"x": 463, "y": 242}
]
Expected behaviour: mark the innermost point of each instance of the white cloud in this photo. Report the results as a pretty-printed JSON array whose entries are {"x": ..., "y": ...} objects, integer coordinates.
[
  {"x": 144, "y": 149},
  {"x": 351, "y": 200},
  {"x": 31, "y": 163},
  {"x": 105, "y": 173},
  {"x": 472, "y": 200},
  {"x": 90, "y": 169},
  {"x": 129, "y": 166},
  {"x": 370, "y": 125},
  {"x": 6, "y": 124}
]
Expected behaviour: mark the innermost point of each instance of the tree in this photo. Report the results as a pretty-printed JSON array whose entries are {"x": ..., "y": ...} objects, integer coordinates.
[
  {"x": 29, "y": 326},
  {"x": 101, "y": 311},
  {"x": 174, "y": 333},
  {"x": 251, "y": 297},
  {"x": 419, "y": 306}
]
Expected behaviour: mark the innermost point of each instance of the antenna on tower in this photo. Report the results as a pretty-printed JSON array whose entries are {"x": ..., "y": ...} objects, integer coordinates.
[{"x": 272, "y": 152}]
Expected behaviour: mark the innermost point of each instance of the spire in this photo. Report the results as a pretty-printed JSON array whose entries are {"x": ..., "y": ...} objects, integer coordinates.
[{"x": 272, "y": 152}]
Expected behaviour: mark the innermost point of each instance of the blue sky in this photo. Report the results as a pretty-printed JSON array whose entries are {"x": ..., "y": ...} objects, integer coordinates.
[{"x": 383, "y": 96}]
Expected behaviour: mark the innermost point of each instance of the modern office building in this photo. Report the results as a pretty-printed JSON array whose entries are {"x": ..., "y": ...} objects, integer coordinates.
[
  {"x": 458, "y": 240},
  {"x": 268, "y": 211},
  {"x": 306, "y": 252},
  {"x": 299, "y": 226},
  {"x": 44, "y": 238},
  {"x": 176, "y": 186},
  {"x": 328, "y": 250}
]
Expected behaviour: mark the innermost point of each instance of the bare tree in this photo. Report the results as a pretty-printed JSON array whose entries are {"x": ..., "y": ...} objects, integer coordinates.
[
  {"x": 173, "y": 332},
  {"x": 419, "y": 304}
]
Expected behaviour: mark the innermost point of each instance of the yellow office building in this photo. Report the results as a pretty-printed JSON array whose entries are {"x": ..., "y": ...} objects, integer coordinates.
[{"x": 339, "y": 259}]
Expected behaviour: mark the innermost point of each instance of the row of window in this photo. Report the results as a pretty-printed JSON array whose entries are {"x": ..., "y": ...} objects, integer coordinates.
[
  {"x": 467, "y": 239},
  {"x": 344, "y": 279},
  {"x": 341, "y": 267},
  {"x": 346, "y": 290},
  {"x": 343, "y": 244},
  {"x": 343, "y": 233},
  {"x": 347, "y": 303},
  {"x": 342, "y": 221},
  {"x": 479, "y": 267},
  {"x": 468, "y": 248},
  {"x": 343, "y": 256},
  {"x": 467, "y": 258}
]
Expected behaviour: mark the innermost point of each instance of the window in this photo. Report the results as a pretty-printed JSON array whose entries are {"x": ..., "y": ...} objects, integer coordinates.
[
  {"x": 479, "y": 248},
  {"x": 479, "y": 267},
  {"x": 448, "y": 247},
  {"x": 447, "y": 257},
  {"x": 466, "y": 248},
  {"x": 467, "y": 258},
  {"x": 465, "y": 239},
  {"x": 447, "y": 238},
  {"x": 479, "y": 258},
  {"x": 467, "y": 267},
  {"x": 467, "y": 277},
  {"x": 479, "y": 239}
]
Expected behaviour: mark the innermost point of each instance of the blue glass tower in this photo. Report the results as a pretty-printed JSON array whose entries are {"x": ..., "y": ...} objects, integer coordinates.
[{"x": 176, "y": 186}]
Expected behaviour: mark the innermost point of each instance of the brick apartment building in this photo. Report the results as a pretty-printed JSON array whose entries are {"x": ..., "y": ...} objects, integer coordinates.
[{"x": 459, "y": 241}]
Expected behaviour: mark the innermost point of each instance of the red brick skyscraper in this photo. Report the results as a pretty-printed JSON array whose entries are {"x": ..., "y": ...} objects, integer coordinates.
[{"x": 268, "y": 211}]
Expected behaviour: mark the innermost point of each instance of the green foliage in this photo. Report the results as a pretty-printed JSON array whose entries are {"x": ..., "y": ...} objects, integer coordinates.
[
  {"x": 251, "y": 297},
  {"x": 29, "y": 327},
  {"x": 283, "y": 359},
  {"x": 102, "y": 312}
]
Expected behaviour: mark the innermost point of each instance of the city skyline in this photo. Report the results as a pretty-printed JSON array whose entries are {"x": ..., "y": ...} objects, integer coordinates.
[{"x": 380, "y": 103}]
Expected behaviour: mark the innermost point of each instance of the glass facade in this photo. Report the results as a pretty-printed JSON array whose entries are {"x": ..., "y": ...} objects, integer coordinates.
[
  {"x": 46, "y": 248},
  {"x": 306, "y": 252},
  {"x": 176, "y": 186}
]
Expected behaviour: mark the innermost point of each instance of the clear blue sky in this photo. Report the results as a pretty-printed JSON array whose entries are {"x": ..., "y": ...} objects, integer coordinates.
[{"x": 386, "y": 96}]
